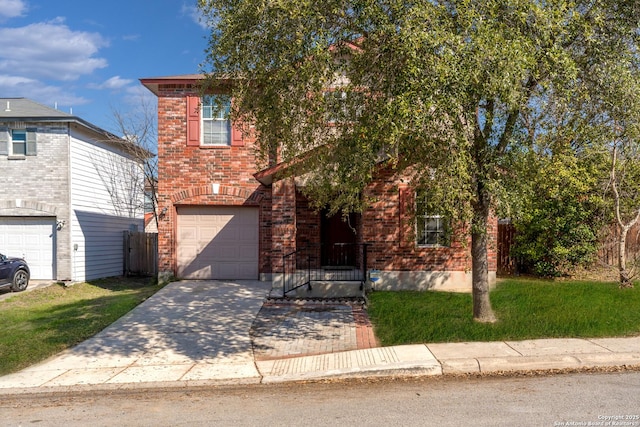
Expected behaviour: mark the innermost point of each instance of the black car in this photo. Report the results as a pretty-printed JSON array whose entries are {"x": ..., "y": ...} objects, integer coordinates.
[{"x": 14, "y": 273}]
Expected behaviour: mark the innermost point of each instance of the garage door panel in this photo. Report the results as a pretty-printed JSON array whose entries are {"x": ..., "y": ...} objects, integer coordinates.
[
  {"x": 193, "y": 272},
  {"x": 221, "y": 253},
  {"x": 32, "y": 238},
  {"x": 232, "y": 269},
  {"x": 247, "y": 234},
  {"x": 227, "y": 234},
  {"x": 248, "y": 252},
  {"x": 226, "y": 239},
  {"x": 187, "y": 233},
  {"x": 228, "y": 270},
  {"x": 185, "y": 252}
]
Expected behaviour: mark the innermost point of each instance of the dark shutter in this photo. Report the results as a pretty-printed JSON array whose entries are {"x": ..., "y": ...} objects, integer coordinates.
[
  {"x": 236, "y": 135},
  {"x": 193, "y": 121},
  {"x": 404, "y": 215},
  {"x": 31, "y": 141},
  {"x": 237, "y": 139},
  {"x": 4, "y": 141}
]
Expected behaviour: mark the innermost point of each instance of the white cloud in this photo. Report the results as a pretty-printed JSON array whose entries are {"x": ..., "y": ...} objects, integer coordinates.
[
  {"x": 196, "y": 15},
  {"x": 115, "y": 82},
  {"x": 50, "y": 50},
  {"x": 23, "y": 87},
  {"x": 12, "y": 8}
]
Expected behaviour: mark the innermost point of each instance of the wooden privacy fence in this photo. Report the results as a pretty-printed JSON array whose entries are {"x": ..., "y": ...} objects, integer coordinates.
[
  {"x": 140, "y": 254},
  {"x": 607, "y": 252},
  {"x": 506, "y": 233}
]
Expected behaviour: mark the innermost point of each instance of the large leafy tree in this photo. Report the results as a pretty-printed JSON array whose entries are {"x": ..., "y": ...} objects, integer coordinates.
[
  {"x": 601, "y": 120},
  {"x": 617, "y": 103},
  {"x": 437, "y": 88}
]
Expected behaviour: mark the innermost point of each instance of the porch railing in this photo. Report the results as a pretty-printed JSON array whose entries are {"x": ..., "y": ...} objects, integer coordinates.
[{"x": 343, "y": 262}]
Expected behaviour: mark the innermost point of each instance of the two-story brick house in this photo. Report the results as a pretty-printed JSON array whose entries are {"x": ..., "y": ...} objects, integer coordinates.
[
  {"x": 222, "y": 218},
  {"x": 62, "y": 181}
]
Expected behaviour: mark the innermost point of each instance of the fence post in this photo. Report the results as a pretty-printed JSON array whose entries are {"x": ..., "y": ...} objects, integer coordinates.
[{"x": 125, "y": 252}]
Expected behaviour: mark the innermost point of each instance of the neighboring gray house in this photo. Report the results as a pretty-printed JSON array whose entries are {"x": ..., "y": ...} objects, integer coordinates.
[{"x": 69, "y": 191}]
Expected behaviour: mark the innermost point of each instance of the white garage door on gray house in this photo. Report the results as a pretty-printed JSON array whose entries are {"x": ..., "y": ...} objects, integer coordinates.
[
  {"x": 31, "y": 238},
  {"x": 70, "y": 191}
]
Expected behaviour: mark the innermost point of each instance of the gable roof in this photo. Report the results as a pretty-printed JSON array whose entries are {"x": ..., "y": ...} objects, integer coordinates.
[
  {"x": 26, "y": 110},
  {"x": 153, "y": 83},
  {"x": 23, "y": 108},
  {"x": 196, "y": 81}
]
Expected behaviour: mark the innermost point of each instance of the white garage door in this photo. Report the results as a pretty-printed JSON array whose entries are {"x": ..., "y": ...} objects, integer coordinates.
[
  {"x": 32, "y": 238},
  {"x": 217, "y": 243}
]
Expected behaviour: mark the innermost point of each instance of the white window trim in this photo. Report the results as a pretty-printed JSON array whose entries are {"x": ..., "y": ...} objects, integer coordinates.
[
  {"x": 12, "y": 142},
  {"x": 213, "y": 119},
  {"x": 424, "y": 216},
  {"x": 7, "y": 142}
]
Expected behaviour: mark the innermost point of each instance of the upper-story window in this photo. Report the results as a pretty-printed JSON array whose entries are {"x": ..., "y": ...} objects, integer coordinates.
[
  {"x": 17, "y": 142},
  {"x": 335, "y": 101},
  {"x": 431, "y": 229},
  {"x": 216, "y": 126},
  {"x": 343, "y": 106}
]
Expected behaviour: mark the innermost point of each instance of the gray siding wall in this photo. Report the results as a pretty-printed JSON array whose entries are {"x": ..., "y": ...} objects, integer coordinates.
[
  {"x": 39, "y": 186},
  {"x": 98, "y": 224}
]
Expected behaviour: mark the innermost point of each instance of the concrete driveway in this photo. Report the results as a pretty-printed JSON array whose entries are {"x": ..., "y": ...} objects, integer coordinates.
[
  {"x": 33, "y": 285},
  {"x": 191, "y": 331}
]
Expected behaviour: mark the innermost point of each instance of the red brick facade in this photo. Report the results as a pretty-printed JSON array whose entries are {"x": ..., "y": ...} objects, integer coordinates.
[{"x": 186, "y": 173}]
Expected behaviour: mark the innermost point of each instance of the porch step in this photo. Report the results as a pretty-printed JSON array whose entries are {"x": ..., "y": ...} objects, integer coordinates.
[{"x": 328, "y": 289}]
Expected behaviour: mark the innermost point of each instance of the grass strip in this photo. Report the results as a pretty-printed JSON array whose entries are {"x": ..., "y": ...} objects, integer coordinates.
[
  {"x": 525, "y": 308},
  {"x": 38, "y": 324}
]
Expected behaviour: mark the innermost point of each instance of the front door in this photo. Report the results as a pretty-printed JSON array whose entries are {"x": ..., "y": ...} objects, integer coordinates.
[{"x": 338, "y": 236}]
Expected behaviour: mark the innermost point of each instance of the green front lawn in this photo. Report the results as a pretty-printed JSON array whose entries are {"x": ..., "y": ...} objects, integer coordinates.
[
  {"x": 43, "y": 322},
  {"x": 526, "y": 309}
]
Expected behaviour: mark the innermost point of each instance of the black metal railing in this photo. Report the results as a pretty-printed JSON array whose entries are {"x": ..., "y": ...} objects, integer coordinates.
[{"x": 344, "y": 262}]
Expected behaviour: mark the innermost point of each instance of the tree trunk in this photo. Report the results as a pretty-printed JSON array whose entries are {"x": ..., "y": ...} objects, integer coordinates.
[
  {"x": 482, "y": 311},
  {"x": 625, "y": 277}
]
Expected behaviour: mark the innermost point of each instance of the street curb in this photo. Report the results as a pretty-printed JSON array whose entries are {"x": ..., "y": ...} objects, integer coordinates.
[
  {"x": 444, "y": 369},
  {"x": 406, "y": 370},
  {"x": 538, "y": 363},
  {"x": 124, "y": 387}
]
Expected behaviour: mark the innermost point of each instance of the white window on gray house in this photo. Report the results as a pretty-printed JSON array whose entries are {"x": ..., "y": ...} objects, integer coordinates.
[
  {"x": 148, "y": 201},
  {"x": 431, "y": 229},
  {"x": 18, "y": 142},
  {"x": 216, "y": 125}
]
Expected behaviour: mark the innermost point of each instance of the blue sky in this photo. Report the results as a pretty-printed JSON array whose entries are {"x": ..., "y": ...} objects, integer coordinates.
[{"x": 86, "y": 56}]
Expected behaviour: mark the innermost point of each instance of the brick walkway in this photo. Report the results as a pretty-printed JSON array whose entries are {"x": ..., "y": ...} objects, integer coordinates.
[{"x": 292, "y": 329}]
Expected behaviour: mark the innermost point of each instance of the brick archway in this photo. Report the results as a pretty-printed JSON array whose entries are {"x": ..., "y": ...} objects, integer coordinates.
[
  {"x": 44, "y": 208},
  {"x": 224, "y": 190}
]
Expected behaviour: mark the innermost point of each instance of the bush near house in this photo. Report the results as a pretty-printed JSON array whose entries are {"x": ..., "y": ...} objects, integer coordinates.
[{"x": 559, "y": 214}]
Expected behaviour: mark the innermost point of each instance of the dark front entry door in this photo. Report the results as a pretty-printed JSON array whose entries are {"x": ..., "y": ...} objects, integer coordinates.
[{"x": 338, "y": 240}]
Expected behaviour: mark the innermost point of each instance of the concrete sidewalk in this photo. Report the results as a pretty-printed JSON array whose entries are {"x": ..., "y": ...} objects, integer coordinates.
[
  {"x": 200, "y": 333},
  {"x": 458, "y": 358}
]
